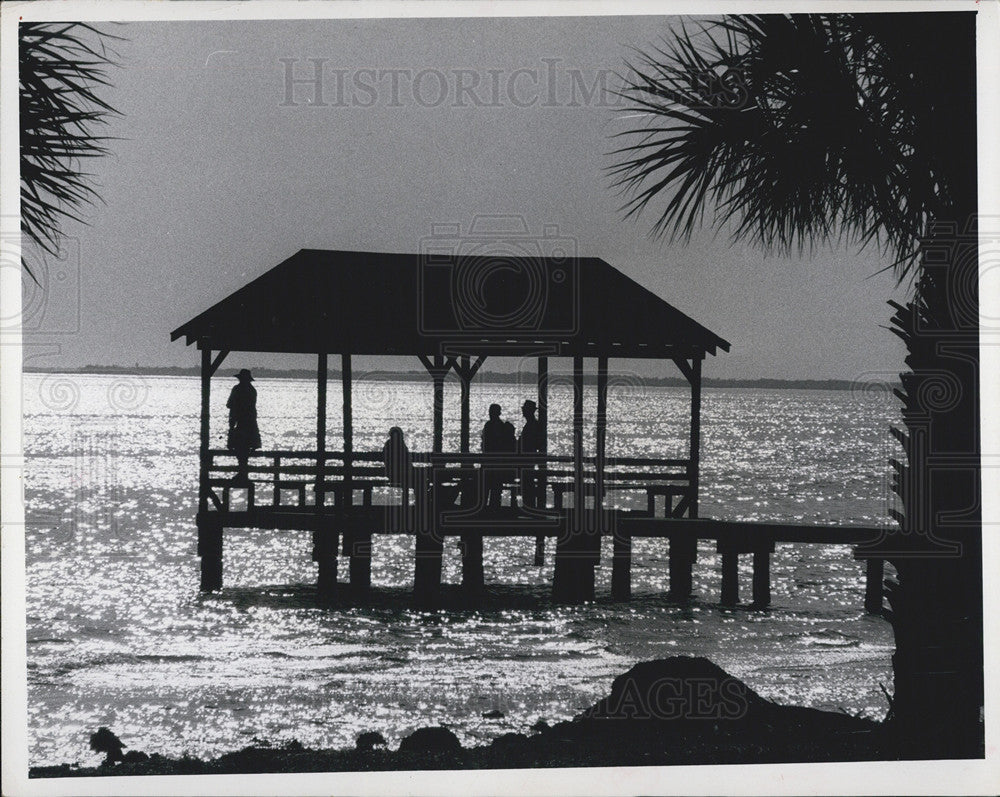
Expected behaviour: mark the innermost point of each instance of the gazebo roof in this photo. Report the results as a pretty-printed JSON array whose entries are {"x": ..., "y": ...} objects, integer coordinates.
[{"x": 430, "y": 303}]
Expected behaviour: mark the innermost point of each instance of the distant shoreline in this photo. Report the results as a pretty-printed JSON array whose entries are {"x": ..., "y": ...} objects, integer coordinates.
[{"x": 483, "y": 377}]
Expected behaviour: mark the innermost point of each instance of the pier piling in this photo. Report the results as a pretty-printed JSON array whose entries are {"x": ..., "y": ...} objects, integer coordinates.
[
  {"x": 683, "y": 553},
  {"x": 210, "y": 551},
  {"x": 325, "y": 554},
  {"x": 427, "y": 568},
  {"x": 730, "y": 578},
  {"x": 621, "y": 566},
  {"x": 360, "y": 561},
  {"x": 762, "y": 578},
  {"x": 874, "y": 572},
  {"x": 472, "y": 563}
]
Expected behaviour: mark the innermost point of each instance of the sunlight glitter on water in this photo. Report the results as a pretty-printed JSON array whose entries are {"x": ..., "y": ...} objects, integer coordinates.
[{"x": 118, "y": 634}]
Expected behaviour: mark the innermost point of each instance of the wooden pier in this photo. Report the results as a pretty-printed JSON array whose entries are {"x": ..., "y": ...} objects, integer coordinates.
[
  {"x": 351, "y": 303},
  {"x": 282, "y": 495}
]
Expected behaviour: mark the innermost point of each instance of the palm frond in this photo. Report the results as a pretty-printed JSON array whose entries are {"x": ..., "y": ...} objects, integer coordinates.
[
  {"x": 62, "y": 69},
  {"x": 786, "y": 129}
]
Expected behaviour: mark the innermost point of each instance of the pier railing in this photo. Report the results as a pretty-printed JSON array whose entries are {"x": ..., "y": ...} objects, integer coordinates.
[{"x": 291, "y": 480}]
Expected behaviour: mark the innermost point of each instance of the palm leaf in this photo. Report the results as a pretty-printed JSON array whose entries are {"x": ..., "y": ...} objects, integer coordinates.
[
  {"x": 62, "y": 67},
  {"x": 830, "y": 136}
]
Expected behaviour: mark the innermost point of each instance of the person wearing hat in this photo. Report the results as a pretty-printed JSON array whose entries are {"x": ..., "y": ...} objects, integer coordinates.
[
  {"x": 530, "y": 443},
  {"x": 244, "y": 436}
]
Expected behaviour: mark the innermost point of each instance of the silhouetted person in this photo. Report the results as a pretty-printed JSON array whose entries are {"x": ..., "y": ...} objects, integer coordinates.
[
  {"x": 530, "y": 443},
  {"x": 398, "y": 462},
  {"x": 244, "y": 436},
  {"x": 499, "y": 437}
]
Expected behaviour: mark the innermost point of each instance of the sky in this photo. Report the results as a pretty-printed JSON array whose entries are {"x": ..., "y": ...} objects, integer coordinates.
[{"x": 219, "y": 170}]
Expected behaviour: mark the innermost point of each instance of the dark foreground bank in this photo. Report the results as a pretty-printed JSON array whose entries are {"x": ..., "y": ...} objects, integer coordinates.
[{"x": 679, "y": 710}]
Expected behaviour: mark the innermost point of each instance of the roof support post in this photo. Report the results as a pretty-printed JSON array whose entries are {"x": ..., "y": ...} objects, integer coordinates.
[
  {"x": 321, "y": 378},
  {"x": 466, "y": 420},
  {"x": 541, "y": 486},
  {"x": 206, "y": 389},
  {"x": 573, "y": 580},
  {"x": 429, "y": 543},
  {"x": 472, "y": 543},
  {"x": 695, "y": 446},
  {"x": 345, "y": 380},
  {"x": 692, "y": 371},
  {"x": 579, "y": 501},
  {"x": 438, "y": 368},
  {"x": 602, "y": 433},
  {"x": 466, "y": 370}
]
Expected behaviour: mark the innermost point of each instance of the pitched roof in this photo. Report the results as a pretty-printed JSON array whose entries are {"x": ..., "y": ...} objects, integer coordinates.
[{"x": 382, "y": 303}]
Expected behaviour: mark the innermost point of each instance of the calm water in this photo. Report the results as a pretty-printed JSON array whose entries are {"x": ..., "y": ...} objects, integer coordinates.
[{"x": 118, "y": 634}]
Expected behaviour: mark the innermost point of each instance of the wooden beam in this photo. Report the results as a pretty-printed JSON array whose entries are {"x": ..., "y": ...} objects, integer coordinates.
[
  {"x": 206, "y": 390},
  {"x": 730, "y": 578},
  {"x": 477, "y": 365},
  {"x": 438, "y": 368},
  {"x": 321, "y": 379},
  {"x": 345, "y": 381},
  {"x": 573, "y": 580},
  {"x": 579, "y": 501},
  {"x": 210, "y": 550},
  {"x": 429, "y": 546},
  {"x": 541, "y": 488},
  {"x": 438, "y": 413},
  {"x": 685, "y": 367},
  {"x": 874, "y": 574},
  {"x": 762, "y": 578},
  {"x": 695, "y": 446},
  {"x": 621, "y": 566},
  {"x": 472, "y": 544},
  {"x": 465, "y": 375},
  {"x": 602, "y": 432},
  {"x": 463, "y": 366},
  {"x": 218, "y": 361}
]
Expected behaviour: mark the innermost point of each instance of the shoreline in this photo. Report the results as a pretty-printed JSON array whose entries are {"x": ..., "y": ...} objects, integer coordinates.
[
  {"x": 673, "y": 711},
  {"x": 486, "y": 377}
]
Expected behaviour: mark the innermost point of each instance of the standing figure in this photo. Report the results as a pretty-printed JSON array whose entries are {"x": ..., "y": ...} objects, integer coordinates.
[
  {"x": 499, "y": 437},
  {"x": 398, "y": 462},
  {"x": 530, "y": 443},
  {"x": 244, "y": 436}
]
